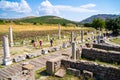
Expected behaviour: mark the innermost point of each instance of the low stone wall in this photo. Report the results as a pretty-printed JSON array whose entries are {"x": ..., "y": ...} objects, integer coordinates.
[
  {"x": 106, "y": 47},
  {"x": 101, "y": 72},
  {"x": 102, "y": 55}
]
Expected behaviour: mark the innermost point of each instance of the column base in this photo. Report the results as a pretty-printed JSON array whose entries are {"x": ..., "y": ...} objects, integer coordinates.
[
  {"x": 11, "y": 44},
  {"x": 7, "y": 61}
]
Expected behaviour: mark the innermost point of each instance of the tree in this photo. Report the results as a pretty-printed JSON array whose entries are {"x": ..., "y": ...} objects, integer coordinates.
[
  {"x": 98, "y": 23},
  {"x": 1, "y": 21},
  {"x": 88, "y": 24},
  {"x": 113, "y": 25}
]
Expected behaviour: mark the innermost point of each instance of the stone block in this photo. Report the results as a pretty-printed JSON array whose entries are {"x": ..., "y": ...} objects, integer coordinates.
[
  {"x": 78, "y": 54},
  {"x": 44, "y": 51},
  {"x": 72, "y": 71},
  {"x": 56, "y": 49},
  {"x": 87, "y": 74},
  {"x": 30, "y": 56},
  {"x": 50, "y": 67},
  {"x": 53, "y": 65},
  {"x": 60, "y": 73},
  {"x": 64, "y": 45},
  {"x": 19, "y": 58}
]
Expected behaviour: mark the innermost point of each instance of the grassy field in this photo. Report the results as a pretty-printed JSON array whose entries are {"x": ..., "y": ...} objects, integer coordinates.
[
  {"x": 21, "y": 32},
  {"x": 29, "y": 27},
  {"x": 115, "y": 40}
]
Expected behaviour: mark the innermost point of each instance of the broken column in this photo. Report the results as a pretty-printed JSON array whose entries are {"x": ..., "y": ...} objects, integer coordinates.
[
  {"x": 6, "y": 59},
  {"x": 82, "y": 36},
  {"x": 74, "y": 51},
  {"x": 48, "y": 38},
  {"x": 11, "y": 37},
  {"x": 59, "y": 32},
  {"x": 98, "y": 38},
  {"x": 72, "y": 37}
]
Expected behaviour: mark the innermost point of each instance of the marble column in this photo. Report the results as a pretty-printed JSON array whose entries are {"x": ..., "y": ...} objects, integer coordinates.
[
  {"x": 72, "y": 37},
  {"x": 74, "y": 51},
  {"x": 98, "y": 37},
  {"x": 6, "y": 59},
  {"x": 59, "y": 32},
  {"x": 11, "y": 37},
  {"x": 82, "y": 36},
  {"x": 48, "y": 38}
]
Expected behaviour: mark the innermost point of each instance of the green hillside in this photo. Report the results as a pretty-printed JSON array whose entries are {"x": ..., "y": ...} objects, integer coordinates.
[{"x": 46, "y": 20}]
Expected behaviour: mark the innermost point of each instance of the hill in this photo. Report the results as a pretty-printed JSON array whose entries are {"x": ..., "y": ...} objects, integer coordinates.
[
  {"x": 45, "y": 20},
  {"x": 102, "y": 16}
]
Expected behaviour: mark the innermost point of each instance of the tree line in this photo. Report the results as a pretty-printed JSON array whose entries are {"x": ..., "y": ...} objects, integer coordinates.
[{"x": 108, "y": 24}]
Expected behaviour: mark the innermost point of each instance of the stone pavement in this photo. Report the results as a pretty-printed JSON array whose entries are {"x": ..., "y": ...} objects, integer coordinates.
[{"x": 39, "y": 62}]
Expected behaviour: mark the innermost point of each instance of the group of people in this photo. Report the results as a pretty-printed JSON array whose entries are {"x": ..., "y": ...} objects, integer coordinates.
[{"x": 41, "y": 43}]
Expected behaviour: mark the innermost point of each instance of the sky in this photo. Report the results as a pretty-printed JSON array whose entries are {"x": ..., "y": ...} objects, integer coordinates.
[{"x": 75, "y": 10}]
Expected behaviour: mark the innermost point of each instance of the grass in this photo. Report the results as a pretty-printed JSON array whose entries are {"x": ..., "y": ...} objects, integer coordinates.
[
  {"x": 29, "y": 27},
  {"x": 115, "y": 40},
  {"x": 68, "y": 76},
  {"x": 100, "y": 62},
  {"x": 42, "y": 73},
  {"x": 37, "y": 73},
  {"x": 29, "y": 31},
  {"x": 1, "y": 66}
]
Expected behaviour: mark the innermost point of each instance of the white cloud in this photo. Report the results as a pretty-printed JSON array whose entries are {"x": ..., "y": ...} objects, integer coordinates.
[
  {"x": 47, "y": 8},
  {"x": 21, "y": 7},
  {"x": 74, "y": 9},
  {"x": 88, "y": 6}
]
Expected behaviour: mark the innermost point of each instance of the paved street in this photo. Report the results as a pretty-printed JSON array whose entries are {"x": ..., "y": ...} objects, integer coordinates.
[{"x": 38, "y": 62}]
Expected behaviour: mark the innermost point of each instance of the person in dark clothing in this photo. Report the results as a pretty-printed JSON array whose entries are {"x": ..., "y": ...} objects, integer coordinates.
[
  {"x": 32, "y": 41},
  {"x": 51, "y": 42}
]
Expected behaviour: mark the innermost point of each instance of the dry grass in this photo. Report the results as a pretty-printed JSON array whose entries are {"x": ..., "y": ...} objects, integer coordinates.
[{"x": 29, "y": 27}]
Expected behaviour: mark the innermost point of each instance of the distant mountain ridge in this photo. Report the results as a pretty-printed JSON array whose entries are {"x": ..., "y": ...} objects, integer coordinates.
[{"x": 102, "y": 16}]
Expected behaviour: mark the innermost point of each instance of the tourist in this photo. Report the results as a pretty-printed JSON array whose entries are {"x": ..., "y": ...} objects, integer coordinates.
[
  {"x": 40, "y": 42},
  {"x": 33, "y": 43},
  {"x": 51, "y": 42}
]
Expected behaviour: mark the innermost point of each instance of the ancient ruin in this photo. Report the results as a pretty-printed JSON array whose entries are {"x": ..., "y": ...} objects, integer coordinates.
[{"x": 6, "y": 59}]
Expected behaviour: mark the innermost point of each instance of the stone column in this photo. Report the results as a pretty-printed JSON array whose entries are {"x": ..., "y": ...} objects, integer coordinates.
[
  {"x": 6, "y": 59},
  {"x": 74, "y": 51},
  {"x": 72, "y": 37},
  {"x": 82, "y": 36},
  {"x": 98, "y": 38},
  {"x": 11, "y": 37},
  {"x": 59, "y": 32},
  {"x": 48, "y": 38},
  {"x": 92, "y": 33}
]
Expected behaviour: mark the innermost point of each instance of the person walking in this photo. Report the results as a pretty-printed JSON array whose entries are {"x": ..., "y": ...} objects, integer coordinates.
[
  {"x": 40, "y": 42},
  {"x": 33, "y": 43},
  {"x": 51, "y": 42}
]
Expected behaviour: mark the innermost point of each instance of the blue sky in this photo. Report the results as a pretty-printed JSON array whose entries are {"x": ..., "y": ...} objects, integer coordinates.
[{"x": 75, "y": 10}]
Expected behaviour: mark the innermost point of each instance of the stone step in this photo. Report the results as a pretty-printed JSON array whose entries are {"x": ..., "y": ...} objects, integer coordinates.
[{"x": 60, "y": 73}]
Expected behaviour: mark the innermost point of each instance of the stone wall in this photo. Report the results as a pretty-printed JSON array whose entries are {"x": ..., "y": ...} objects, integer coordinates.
[
  {"x": 106, "y": 47},
  {"x": 101, "y": 72},
  {"x": 53, "y": 65},
  {"x": 102, "y": 55}
]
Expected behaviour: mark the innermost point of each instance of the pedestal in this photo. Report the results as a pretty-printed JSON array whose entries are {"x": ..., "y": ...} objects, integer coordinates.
[{"x": 7, "y": 61}]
